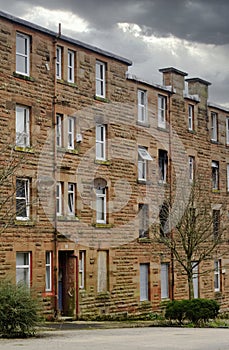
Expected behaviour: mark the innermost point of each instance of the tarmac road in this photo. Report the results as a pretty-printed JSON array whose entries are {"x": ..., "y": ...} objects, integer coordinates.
[{"x": 151, "y": 338}]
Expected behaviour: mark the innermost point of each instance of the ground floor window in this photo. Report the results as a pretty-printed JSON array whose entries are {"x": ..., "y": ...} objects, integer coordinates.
[
  {"x": 48, "y": 272},
  {"x": 144, "y": 282},
  {"x": 23, "y": 268},
  {"x": 102, "y": 285},
  {"x": 164, "y": 281}
]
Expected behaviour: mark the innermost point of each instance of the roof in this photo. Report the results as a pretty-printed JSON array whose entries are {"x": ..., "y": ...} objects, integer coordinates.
[
  {"x": 146, "y": 82},
  {"x": 46, "y": 31}
]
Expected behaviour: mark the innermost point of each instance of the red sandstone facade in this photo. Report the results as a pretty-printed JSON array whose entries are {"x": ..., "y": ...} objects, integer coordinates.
[{"x": 98, "y": 150}]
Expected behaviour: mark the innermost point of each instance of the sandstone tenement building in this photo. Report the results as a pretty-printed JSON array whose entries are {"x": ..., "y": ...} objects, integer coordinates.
[{"x": 89, "y": 153}]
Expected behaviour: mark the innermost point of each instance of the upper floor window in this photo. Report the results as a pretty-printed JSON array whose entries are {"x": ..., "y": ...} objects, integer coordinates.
[
  {"x": 227, "y": 130},
  {"x": 71, "y": 133},
  {"x": 59, "y": 198},
  {"x": 22, "y": 199},
  {"x": 191, "y": 165},
  {"x": 216, "y": 223},
  {"x": 100, "y": 142},
  {"x": 71, "y": 198},
  {"x": 190, "y": 117},
  {"x": 163, "y": 164},
  {"x": 164, "y": 219},
  {"x": 215, "y": 175},
  {"x": 100, "y": 79},
  {"x": 162, "y": 111},
  {"x": 71, "y": 66},
  {"x": 48, "y": 271},
  {"x": 22, "y": 54},
  {"x": 59, "y": 130},
  {"x": 59, "y": 62},
  {"x": 23, "y": 268},
  {"x": 142, "y": 106},
  {"x": 214, "y": 126},
  {"x": 22, "y": 126},
  {"x": 143, "y": 158},
  {"x": 143, "y": 220},
  {"x": 101, "y": 194}
]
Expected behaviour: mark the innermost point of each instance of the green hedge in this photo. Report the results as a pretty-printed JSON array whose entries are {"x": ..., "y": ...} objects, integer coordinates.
[
  {"x": 196, "y": 310},
  {"x": 19, "y": 314}
]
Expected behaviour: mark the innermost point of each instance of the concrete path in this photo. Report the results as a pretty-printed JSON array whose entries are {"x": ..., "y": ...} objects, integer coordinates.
[{"x": 150, "y": 338}]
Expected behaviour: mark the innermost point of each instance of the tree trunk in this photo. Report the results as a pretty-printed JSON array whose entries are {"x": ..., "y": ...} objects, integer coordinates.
[{"x": 190, "y": 286}]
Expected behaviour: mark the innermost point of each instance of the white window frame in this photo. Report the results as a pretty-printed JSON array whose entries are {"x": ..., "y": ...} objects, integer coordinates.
[
  {"x": 215, "y": 179},
  {"x": 214, "y": 126},
  {"x": 59, "y": 130},
  {"x": 195, "y": 279},
  {"x": 25, "y": 198},
  {"x": 142, "y": 106},
  {"x": 100, "y": 132},
  {"x": 227, "y": 130},
  {"x": 101, "y": 203},
  {"x": 82, "y": 264},
  {"x": 162, "y": 111},
  {"x": 144, "y": 282},
  {"x": 191, "y": 168},
  {"x": 71, "y": 198},
  {"x": 71, "y": 133},
  {"x": 59, "y": 198},
  {"x": 217, "y": 275},
  {"x": 190, "y": 117},
  {"x": 26, "y": 267},
  {"x": 143, "y": 158},
  {"x": 59, "y": 62},
  {"x": 71, "y": 66},
  {"x": 100, "y": 79},
  {"x": 48, "y": 271},
  {"x": 164, "y": 280},
  {"x": 22, "y": 126},
  {"x": 23, "y": 55}
]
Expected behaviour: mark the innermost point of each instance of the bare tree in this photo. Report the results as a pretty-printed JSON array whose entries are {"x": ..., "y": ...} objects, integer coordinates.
[{"x": 193, "y": 231}]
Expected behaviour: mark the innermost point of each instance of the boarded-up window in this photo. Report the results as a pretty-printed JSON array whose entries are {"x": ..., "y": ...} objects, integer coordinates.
[{"x": 102, "y": 271}]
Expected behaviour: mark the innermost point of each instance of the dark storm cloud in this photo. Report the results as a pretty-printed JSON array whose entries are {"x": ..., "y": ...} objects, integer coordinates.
[{"x": 203, "y": 21}]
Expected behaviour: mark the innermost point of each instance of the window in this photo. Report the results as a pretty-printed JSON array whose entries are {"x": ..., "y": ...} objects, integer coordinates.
[
  {"x": 101, "y": 205},
  {"x": 227, "y": 130},
  {"x": 59, "y": 128},
  {"x": 59, "y": 198},
  {"x": 71, "y": 199},
  {"x": 215, "y": 175},
  {"x": 216, "y": 223},
  {"x": 58, "y": 62},
  {"x": 22, "y": 54},
  {"x": 142, "y": 106},
  {"x": 101, "y": 142},
  {"x": 144, "y": 282},
  {"x": 162, "y": 111},
  {"x": 102, "y": 285},
  {"x": 227, "y": 177},
  {"x": 214, "y": 126},
  {"x": 48, "y": 271},
  {"x": 82, "y": 264},
  {"x": 164, "y": 219},
  {"x": 164, "y": 281},
  {"x": 143, "y": 220},
  {"x": 163, "y": 164},
  {"x": 22, "y": 199},
  {"x": 191, "y": 165},
  {"x": 23, "y": 268},
  {"x": 143, "y": 157},
  {"x": 22, "y": 126},
  {"x": 71, "y": 133},
  {"x": 100, "y": 79},
  {"x": 71, "y": 64},
  {"x": 217, "y": 278},
  {"x": 195, "y": 280},
  {"x": 190, "y": 117}
]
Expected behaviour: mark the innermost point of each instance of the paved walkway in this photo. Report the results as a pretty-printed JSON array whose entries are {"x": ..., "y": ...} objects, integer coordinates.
[{"x": 147, "y": 338}]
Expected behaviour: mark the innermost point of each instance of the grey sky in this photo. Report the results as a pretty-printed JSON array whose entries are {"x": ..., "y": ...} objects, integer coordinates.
[{"x": 191, "y": 35}]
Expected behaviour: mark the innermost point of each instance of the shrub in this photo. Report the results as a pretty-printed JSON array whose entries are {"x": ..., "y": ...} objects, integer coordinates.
[
  {"x": 18, "y": 311},
  {"x": 196, "y": 310}
]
